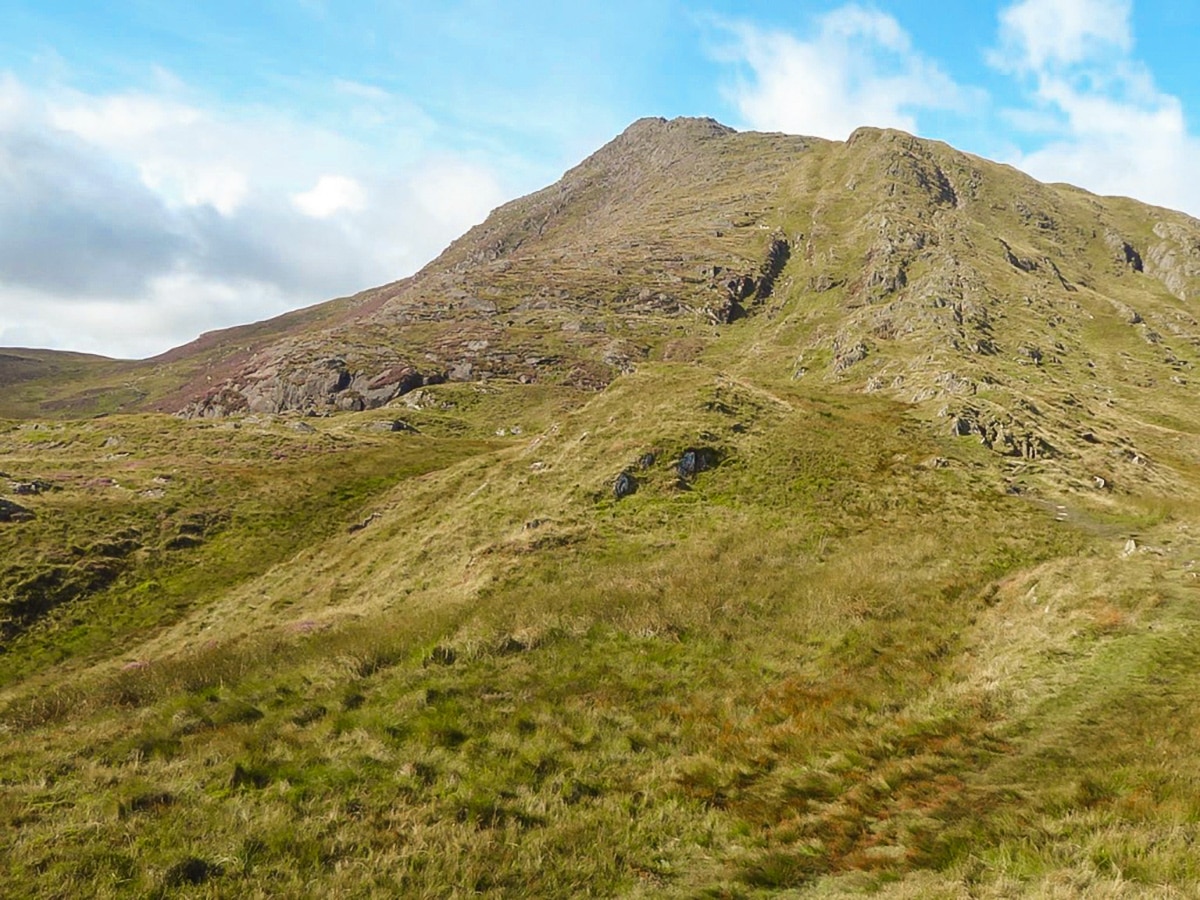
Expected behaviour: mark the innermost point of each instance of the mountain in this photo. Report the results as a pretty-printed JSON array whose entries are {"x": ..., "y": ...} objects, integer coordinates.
[
  {"x": 741, "y": 514},
  {"x": 931, "y": 276}
]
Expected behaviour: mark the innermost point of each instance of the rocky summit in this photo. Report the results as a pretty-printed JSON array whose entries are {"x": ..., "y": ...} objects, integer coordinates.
[{"x": 741, "y": 515}]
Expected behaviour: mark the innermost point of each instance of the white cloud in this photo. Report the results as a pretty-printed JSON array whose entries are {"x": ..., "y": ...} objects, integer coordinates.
[
  {"x": 1036, "y": 34},
  {"x": 1097, "y": 119},
  {"x": 120, "y": 120},
  {"x": 361, "y": 91},
  {"x": 454, "y": 191},
  {"x": 170, "y": 306},
  {"x": 224, "y": 188},
  {"x": 331, "y": 194},
  {"x": 129, "y": 222},
  {"x": 154, "y": 133},
  {"x": 859, "y": 68}
]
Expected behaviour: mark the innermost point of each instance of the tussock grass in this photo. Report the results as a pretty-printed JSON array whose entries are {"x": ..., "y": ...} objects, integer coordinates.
[{"x": 822, "y": 668}]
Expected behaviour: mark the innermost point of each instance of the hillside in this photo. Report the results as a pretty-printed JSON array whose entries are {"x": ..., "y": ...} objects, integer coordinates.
[{"x": 742, "y": 515}]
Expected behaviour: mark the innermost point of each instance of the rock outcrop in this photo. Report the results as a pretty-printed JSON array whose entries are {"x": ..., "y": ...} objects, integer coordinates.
[
  {"x": 695, "y": 460},
  {"x": 329, "y": 384},
  {"x": 13, "y": 512},
  {"x": 624, "y": 485}
]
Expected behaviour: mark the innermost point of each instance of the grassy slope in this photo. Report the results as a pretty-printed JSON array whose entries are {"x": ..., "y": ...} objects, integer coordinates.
[
  {"x": 827, "y": 666},
  {"x": 846, "y": 660}
]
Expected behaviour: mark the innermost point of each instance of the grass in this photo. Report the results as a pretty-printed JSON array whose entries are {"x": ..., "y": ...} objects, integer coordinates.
[
  {"x": 814, "y": 669},
  {"x": 859, "y": 655},
  {"x": 187, "y": 512}
]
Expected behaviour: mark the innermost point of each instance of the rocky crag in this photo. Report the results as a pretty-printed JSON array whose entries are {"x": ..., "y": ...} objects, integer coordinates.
[{"x": 1009, "y": 311}]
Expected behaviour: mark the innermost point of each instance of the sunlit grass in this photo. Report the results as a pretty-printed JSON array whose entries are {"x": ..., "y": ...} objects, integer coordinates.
[{"x": 824, "y": 667}]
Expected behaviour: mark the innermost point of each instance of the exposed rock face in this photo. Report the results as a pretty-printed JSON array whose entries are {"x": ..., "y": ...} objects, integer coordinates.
[
  {"x": 1024, "y": 263},
  {"x": 740, "y": 289},
  {"x": 1175, "y": 260},
  {"x": 1003, "y": 435},
  {"x": 885, "y": 264},
  {"x": 573, "y": 285},
  {"x": 845, "y": 357},
  {"x": 778, "y": 254},
  {"x": 326, "y": 384},
  {"x": 1123, "y": 251}
]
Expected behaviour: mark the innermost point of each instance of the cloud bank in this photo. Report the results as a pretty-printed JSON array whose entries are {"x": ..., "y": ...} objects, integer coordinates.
[
  {"x": 131, "y": 222},
  {"x": 858, "y": 67},
  {"x": 1094, "y": 113}
]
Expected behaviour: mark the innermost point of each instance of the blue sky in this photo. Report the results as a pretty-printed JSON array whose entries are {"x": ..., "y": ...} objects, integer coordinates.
[{"x": 170, "y": 167}]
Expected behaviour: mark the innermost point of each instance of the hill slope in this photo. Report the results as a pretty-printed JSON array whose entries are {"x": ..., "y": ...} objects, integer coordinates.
[{"x": 741, "y": 514}]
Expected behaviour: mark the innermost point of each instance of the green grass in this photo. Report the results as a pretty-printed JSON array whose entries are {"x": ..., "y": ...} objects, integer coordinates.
[
  {"x": 860, "y": 655},
  {"x": 192, "y": 511},
  {"x": 816, "y": 669}
]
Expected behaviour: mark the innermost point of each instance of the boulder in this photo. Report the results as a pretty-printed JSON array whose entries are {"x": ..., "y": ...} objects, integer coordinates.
[
  {"x": 726, "y": 310},
  {"x": 328, "y": 383},
  {"x": 844, "y": 358},
  {"x": 14, "y": 512},
  {"x": 625, "y": 485},
  {"x": 696, "y": 460},
  {"x": 29, "y": 488},
  {"x": 740, "y": 287}
]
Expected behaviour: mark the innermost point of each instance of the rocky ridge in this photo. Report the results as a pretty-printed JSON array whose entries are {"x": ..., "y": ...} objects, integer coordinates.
[{"x": 1014, "y": 312}]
